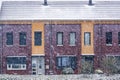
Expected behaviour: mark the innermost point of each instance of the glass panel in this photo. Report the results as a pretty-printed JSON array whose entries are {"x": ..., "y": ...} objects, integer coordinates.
[
  {"x": 108, "y": 37},
  {"x": 59, "y": 38},
  {"x": 72, "y": 38},
  {"x": 22, "y": 38},
  {"x": 38, "y": 38},
  {"x": 118, "y": 37},
  {"x": 87, "y": 38},
  {"x": 9, "y": 37}
]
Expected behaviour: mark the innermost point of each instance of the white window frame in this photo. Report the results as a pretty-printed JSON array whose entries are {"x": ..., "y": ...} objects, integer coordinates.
[{"x": 20, "y": 65}]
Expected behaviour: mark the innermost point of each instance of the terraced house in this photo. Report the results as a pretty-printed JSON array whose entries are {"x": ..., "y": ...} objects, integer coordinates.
[{"x": 44, "y": 38}]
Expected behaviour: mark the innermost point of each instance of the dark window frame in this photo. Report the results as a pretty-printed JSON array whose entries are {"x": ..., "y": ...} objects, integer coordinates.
[
  {"x": 37, "y": 41},
  {"x": 119, "y": 38},
  {"x": 108, "y": 36},
  {"x": 57, "y": 38},
  {"x": 89, "y": 38},
  {"x": 9, "y": 40},
  {"x": 20, "y": 40}
]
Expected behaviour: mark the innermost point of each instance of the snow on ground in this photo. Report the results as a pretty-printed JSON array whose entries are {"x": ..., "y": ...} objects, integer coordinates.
[{"x": 61, "y": 77}]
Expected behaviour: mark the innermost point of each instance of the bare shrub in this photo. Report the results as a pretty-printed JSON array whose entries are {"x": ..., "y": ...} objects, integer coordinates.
[{"x": 87, "y": 67}]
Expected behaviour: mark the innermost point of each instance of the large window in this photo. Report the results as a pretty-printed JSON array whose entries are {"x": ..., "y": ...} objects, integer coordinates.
[
  {"x": 16, "y": 63},
  {"x": 22, "y": 38},
  {"x": 72, "y": 38},
  {"x": 66, "y": 62},
  {"x": 87, "y": 38},
  {"x": 9, "y": 36},
  {"x": 109, "y": 38},
  {"x": 38, "y": 38},
  {"x": 119, "y": 38},
  {"x": 59, "y": 38}
]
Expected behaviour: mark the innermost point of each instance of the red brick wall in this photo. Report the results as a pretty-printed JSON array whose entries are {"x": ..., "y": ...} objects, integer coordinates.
[
  {"x": 16, "y": 49},
  {"x": 52, "y": 49}
]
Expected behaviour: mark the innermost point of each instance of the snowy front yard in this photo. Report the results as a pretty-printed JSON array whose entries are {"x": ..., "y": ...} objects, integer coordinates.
[{"x": 61, "y": 77}]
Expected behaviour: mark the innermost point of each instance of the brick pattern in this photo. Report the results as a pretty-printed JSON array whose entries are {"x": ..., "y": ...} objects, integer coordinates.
[
  {"x": 51, "y": 48},
  {"x": 100, "y": 47},
  {"x": 16, "y": 49}
]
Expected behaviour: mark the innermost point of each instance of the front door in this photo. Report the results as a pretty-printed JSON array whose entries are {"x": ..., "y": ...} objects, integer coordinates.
[{"x": 38, "y": 65}]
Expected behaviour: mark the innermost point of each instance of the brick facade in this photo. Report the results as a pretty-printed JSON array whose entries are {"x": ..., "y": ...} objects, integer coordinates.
[
  {"x": 16, "y": 49},
  {"x": 52, "y": 50}
]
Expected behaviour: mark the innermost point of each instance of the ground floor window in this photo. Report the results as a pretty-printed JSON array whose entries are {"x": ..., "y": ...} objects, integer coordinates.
[
  {"x": 66, "y": 62},
  {"x": 87, "y": 64},
  {"x": 16, "y": 63}
]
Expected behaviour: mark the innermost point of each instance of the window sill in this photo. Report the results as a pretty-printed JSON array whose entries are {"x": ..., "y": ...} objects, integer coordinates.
[
  {"x": 72, "y": 45},
  {"x": 59, "y": 45},
  {"x": 9, "y": 45},
  {"x": 22, "y": 45},
  {"x": 108, "y": 44}
]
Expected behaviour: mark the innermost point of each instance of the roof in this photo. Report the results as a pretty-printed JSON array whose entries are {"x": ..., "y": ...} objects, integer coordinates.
[{"x": 60, "y": 10}]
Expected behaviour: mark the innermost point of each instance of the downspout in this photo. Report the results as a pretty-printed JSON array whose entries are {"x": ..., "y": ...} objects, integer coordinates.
[{"x": 51, "y": 63}]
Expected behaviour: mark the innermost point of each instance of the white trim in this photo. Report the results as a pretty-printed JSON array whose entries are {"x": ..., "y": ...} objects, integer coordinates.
[
  {"x": 16, "y": 56},
  {"x": 38, "y": 54},
  {"x": 87, "y": 54},
  {"x": 65, "y": 55},
  {"x": 112, "y": 55},
  {"x": 20, "y": 67}
]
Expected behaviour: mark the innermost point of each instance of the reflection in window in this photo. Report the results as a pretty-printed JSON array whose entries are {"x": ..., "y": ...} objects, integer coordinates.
[
  {"x": 72, "y": 38},
  {"x": 87, "y": 38}
]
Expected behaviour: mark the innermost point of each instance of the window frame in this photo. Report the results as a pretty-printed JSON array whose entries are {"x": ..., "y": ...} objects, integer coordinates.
[
  {"x": 106, "y": 37},
  {"x": 70, "y": 39},
  {"x": 7, "y": 40},
  {"x": 22, "y": 39},
  {"x": 61, "y": 39},
  {"x": 87, "y": 43},
  {"x": 119, "y": 38},
  {"x": 35, "y": 43},
  {"x": 73, "y": 66},
  {"x": 20, "y": 66}
]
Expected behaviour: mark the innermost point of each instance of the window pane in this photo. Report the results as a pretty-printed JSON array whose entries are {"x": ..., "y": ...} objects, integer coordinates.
[
  {"x": 59, "y": 38},
  {"x": 118, "y": 37},
  {"x": 87, "y": 39},
  {"x": 38, "y": 38},
  {"x": 9, "y": 37},
  {"x": 72, "y": 38},
  {"x": 22, "y": 38},
  {"x": 108, "y": 37},
  {"x": 16, "y": 60},
  {"x": 66, "y": 61}
]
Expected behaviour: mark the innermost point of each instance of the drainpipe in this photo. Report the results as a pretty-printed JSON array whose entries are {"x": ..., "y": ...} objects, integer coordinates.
[
  {"x": 1, "y": 47},
  {"x": 51, "y": 51}
]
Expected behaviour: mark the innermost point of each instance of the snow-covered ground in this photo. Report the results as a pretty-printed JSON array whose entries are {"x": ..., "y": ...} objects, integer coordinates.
[{"x": 61, "y": 77}]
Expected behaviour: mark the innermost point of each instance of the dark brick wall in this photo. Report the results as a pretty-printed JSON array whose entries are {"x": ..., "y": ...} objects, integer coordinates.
[
  {"x": 52, "y": 49},
  {"x": 100, "y": 47},
  {"x": 16, "y": 49}
]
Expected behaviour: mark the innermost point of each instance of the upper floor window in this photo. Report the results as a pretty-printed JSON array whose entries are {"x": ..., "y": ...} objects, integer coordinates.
[
  {"x": 22, "y": 38},
  {"x": 38, "y": 38},
  {"x": 9, "y": 36},
  {"x": 108, "y": 38},
  {"x": 59, "y": 38},
  {"x": 72, "y": 38},
  {"x": 87, "y": 38},
  {"x": 118, "y": 37}
]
